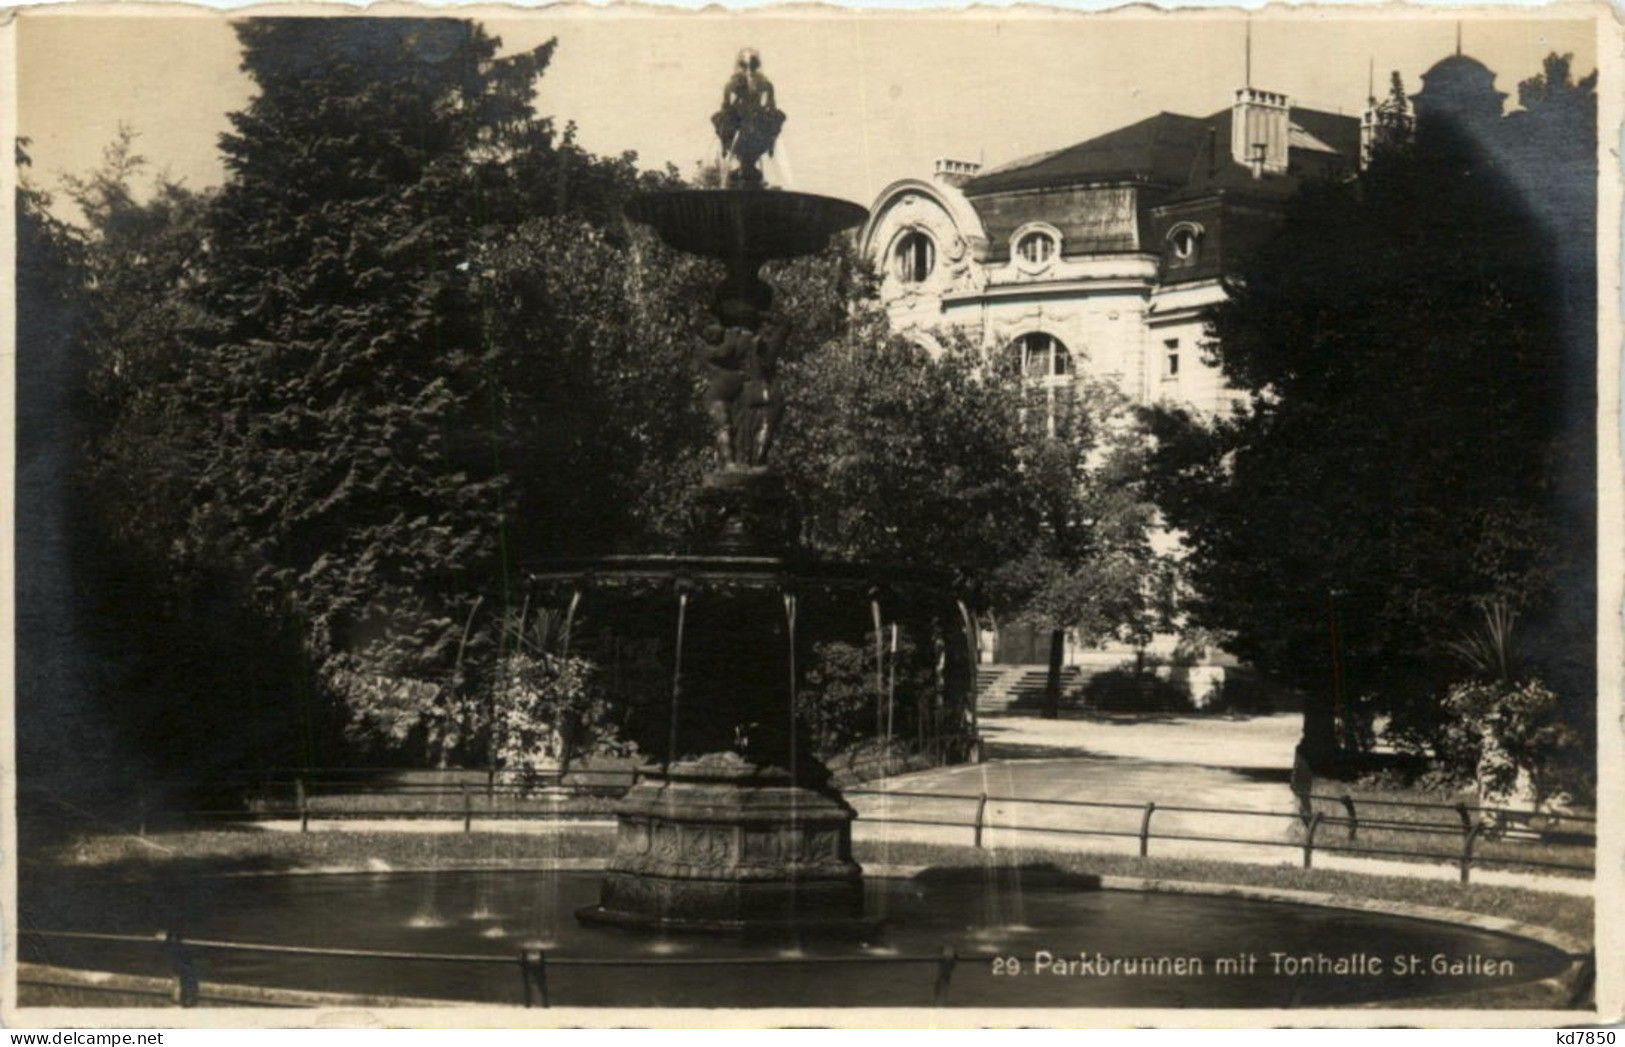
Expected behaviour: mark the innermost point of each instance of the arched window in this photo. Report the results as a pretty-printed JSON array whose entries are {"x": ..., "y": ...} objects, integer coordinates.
[
  {"x": 1036, "y": 248},
  {"x": 1040, "y": 357},
  {"x": 914, "y": 257},
  {"x": 1046, "y": 368}
]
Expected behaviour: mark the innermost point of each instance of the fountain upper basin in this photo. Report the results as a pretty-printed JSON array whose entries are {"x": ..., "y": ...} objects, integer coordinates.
[{"x": 756, "y": 224}]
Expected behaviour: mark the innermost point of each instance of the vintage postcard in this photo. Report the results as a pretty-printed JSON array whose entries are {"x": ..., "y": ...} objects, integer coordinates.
[{"x": 635, "y": 516}]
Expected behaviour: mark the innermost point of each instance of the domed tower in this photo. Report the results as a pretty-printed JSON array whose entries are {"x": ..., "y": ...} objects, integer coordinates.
[{"x": 1460, "y": 89}]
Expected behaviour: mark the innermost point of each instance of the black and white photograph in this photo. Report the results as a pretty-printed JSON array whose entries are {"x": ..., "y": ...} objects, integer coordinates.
[{"x": 631, "y": 516}]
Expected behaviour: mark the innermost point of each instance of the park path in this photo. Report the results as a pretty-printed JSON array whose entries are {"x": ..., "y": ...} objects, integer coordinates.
[{"x": 1239, "y": 763}]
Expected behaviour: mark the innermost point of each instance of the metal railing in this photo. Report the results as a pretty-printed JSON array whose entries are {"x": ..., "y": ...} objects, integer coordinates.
[
  {"x": 531, "y": 965},
  {"x": 531, "y": 796},
  {"x": 467, "y": 794},
  {"x": 1474, "y": 824}
]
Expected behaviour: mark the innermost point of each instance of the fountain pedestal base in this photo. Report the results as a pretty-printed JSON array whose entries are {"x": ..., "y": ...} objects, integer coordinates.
[{"x": 722, "y": 845}]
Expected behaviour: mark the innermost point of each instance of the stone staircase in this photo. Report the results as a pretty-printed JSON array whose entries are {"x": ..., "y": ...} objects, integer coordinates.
[{"x": 1019, "y": 689}]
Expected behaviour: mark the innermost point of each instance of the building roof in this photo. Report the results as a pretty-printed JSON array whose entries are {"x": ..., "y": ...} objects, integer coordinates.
[
  {"x": 1158, "y": 148},
  {"x": 1459, "y": 84},
  {"x": 1458, "y": 65},
  {"x": 1168, "y": 149}
]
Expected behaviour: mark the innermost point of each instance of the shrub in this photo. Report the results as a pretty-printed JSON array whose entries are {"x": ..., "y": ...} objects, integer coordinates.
[
  {"x": 1497, "y": 732},
  {"x": 837, "y": 702},
  {"x": 548, "y": 706}
]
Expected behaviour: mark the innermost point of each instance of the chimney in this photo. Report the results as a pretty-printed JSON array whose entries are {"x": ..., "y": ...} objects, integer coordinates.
[
  {"x": 1260, "y": 122},
  {"x": 955, "y": 172}
]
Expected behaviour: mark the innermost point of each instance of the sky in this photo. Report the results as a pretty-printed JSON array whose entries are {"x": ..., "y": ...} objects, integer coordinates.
[{"x": 871, "y": 96}]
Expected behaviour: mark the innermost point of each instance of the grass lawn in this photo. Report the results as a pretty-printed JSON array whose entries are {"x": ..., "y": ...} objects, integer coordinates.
[
  {"x": 1435, "y": 833},
  {"x": 245, "y": 849}
]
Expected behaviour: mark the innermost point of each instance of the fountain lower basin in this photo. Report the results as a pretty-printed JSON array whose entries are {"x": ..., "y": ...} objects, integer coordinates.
[{"x": 480, "y": 921}]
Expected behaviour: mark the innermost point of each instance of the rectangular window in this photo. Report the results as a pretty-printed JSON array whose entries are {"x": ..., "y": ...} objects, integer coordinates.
[{"x": 1172, "y": 347}]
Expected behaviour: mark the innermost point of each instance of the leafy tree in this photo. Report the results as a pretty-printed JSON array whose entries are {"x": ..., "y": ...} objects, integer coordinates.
[
  {"x": 344, "y": 364},
  {"x": 1087, "y": 566},
  {"x": 599, "y": 425},
  {"x": 145, "y": 246},
  {"x": 1397, "y": 462},
  {"x": 902, "y": 457},
  {"x": 204, "y": 683},
  {"x": 849, "y": 685}
]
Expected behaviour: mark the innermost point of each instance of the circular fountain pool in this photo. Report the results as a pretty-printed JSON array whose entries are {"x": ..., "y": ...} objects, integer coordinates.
[{"x": 1035, "y": 942}]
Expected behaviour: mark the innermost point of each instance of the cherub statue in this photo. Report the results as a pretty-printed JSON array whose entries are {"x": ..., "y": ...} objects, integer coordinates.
[
  {"x": 720, "y": 358},
  {"x": 740, "y": 396},
  {"x": 761, "y": 408},
  {"x": 748, "y": 123}
]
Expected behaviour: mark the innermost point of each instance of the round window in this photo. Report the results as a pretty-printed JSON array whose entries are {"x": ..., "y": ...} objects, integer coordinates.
[{"x": 1036, "y": 248}]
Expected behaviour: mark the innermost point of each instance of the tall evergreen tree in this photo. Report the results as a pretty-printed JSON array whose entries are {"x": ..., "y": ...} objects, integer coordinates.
[{"x": 338, "y": 391}]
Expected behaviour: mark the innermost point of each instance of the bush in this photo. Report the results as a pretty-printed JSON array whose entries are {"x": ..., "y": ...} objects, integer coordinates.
[
  {"x": 837, "y": 702},
  {"x": 1498, "y": 733},
  {"x": 549, "y": 707},
  {"x": 1128, "y": 690}
]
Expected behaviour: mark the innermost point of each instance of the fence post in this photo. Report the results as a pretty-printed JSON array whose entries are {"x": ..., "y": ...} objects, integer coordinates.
[
  {"x": 468, "y": 809},
  {"x": 533, "y": 973},
  {"x": 981, "y": 810},
  {"x": 303, "y": 802},
  {"x": 180, "y": 963},
  {"x": 945, "y": 973},
  {"x": 1145, "y": 827},
  {"x": 1584, "y": 982},
  {"x": 141, "y": 812},
  {"x": 1354, "y": 819},
  {"x": 1309, "y": 839},
  {"x": 1467, "y": 849}
]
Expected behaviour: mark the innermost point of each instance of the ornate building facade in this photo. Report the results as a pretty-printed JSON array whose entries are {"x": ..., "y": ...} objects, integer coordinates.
[{"x": 1100, "y": 257}]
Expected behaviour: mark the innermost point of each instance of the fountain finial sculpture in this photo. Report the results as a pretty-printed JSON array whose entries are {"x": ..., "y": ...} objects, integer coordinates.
[{"x": 748, "y": 123}]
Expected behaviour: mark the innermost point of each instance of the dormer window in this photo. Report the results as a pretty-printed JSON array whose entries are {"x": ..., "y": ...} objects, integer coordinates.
[
  {"x": 914, "y": 257},
  {"x": 1036, "y": 248},
  {"x": 1185, "y": 243}
]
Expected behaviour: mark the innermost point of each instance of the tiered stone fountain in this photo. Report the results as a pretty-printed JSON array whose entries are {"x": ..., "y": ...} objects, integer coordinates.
[{"x": 740, "y": 829}]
